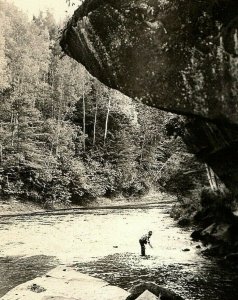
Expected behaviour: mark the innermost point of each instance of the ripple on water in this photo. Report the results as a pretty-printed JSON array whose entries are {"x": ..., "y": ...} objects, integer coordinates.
[
  {"x": 126, "y": 270},
  {"x": 104, "y": 243}
]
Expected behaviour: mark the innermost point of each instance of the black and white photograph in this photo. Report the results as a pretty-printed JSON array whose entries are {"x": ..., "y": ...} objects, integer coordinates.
[{"x": 118, "y": 149}]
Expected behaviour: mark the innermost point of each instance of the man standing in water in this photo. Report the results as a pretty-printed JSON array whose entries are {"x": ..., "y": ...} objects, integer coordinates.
[{"x": 144, "y": 240}]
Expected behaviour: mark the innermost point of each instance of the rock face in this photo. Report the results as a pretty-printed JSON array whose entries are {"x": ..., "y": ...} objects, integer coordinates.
[
  {"x": 179, "y": 56},
  {"x": 217, "y": 145}
]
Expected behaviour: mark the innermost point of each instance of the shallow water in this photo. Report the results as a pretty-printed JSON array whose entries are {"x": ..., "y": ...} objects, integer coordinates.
[{"x": 104, "y": 243}]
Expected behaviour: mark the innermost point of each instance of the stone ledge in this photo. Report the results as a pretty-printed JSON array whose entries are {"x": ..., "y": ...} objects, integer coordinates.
[{"x": 65, "y": 283}]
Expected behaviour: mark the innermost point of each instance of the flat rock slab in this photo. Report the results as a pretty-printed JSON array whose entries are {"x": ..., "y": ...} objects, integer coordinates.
[
  {"x": 147, "y": 296},
  {"x": 65, "y": 283}
]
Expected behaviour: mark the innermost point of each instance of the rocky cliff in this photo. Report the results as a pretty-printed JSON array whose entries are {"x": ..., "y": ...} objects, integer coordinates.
[{"x": 176, "y": 55}]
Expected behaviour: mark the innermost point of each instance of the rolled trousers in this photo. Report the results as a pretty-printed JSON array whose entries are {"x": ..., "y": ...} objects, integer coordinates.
[{"x": 142, "y": 245}]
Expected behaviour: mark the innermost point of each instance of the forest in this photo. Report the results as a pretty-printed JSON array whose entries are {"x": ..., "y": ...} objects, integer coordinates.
[{"x": 67, "y": 138}]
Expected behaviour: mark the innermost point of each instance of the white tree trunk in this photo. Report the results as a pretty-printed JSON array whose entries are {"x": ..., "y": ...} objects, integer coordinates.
[
  {"x": 84, "y": 118},
  {"x": 95, "y": 123},
  {"x": 58, "y": 121},
  {"x": 106, "y": 123},
  {"x": 142, "y": 148},
  {"x": 212, "y": 178},
  {"x": 1, "y": 153}
]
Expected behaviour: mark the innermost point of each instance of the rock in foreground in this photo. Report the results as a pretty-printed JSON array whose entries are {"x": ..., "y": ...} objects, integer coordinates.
[
  {"x": 147, "y": 296},
  {"x": 160, "y": 292},
  {"x": 66, "y": 284}
]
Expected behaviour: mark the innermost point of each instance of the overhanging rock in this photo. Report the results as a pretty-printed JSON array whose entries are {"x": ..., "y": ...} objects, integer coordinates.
[{"x": 177, "y": 55}]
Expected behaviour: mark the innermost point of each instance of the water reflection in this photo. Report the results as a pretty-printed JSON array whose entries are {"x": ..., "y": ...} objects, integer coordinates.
[{"x": 104, "y": 243}]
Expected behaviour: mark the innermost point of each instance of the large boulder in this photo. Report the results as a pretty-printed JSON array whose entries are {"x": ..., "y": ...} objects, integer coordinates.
[
  {"x": 160, "y": 292},
  {"x": 177, "y": 55},
  {"x": 147, "y": 296}
]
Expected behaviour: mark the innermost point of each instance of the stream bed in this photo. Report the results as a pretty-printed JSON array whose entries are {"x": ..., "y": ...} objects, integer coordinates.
[{"x": 104, "y": 243}]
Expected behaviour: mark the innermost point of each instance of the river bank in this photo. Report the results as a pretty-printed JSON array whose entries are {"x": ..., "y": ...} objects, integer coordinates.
[
  {"x": 215, "y": 222},
  {"x": 13, "y": 207}
]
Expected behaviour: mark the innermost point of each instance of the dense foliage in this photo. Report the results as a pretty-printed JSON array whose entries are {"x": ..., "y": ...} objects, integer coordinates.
[{"x": 64, "y": 136}]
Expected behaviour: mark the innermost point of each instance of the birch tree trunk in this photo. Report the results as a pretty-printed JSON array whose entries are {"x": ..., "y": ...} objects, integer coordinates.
[
  {"x": 58, "y": 122},
  {"x": 106, "y": 122},
  {"x": 1, "y": 154},
  {"x": 13, "y": 127},
  {"x": 142, "y": 148},
  {"x": 95, "y": 123},
  {"x": 17, "y": 115},
  {"x": 52, "y": 101},
  {"x": 18, "y": 130},
  {"x": 84, "y": 117},
  {"x": 212, "y": 178}
]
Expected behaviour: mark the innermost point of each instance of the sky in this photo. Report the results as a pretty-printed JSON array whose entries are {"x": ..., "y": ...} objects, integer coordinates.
[{"x": 57, "y": 7}]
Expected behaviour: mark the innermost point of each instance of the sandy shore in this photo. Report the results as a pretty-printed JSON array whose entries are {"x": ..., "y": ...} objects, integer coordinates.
[{"x": 15, "y": 207}]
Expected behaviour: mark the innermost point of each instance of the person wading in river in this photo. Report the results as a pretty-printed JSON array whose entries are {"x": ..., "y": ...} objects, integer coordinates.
[{"x": 145, "y": 239}]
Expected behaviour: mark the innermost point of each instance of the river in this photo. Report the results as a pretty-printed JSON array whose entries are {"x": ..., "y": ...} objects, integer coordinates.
[{"x": 104, "y": 243}]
